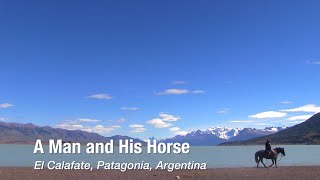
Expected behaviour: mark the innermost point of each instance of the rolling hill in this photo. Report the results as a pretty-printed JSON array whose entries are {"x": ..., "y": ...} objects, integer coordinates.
[
  {"x": 307, "y": 132},
  {"x": 16, "y": 133}
]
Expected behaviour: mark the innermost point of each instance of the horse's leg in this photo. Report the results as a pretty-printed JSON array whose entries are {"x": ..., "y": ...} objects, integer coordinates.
[
  {"x": 272, "y": 163},
  {"x": 263, "y": 162},
  {"x": 276, "y": 162},
  {"x": 258, "y": 162}
]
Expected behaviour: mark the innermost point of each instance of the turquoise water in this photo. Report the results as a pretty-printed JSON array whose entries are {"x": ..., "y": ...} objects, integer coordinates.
[{"x": 214, "y": 156}]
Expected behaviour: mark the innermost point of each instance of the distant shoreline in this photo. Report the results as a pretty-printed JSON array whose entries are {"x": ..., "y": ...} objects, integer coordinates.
[
  {"x": 274, "y": 145},
  {"x": 84, "y": 144},
  {"x": 283, "y": 172}
]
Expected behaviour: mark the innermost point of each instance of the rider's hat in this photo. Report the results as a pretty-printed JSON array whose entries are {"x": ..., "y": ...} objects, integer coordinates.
[{"x": 268, "y": 140}]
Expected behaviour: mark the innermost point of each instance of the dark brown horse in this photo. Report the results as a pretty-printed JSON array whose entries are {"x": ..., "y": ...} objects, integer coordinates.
[{"x": 273, "y": 156}]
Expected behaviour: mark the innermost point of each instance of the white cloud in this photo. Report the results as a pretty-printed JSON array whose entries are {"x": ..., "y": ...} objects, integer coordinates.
[
  {"x": 168, "y": 117},
  {"x": 301, "y": 117},
  {"x": 75, "y": 125},
  {"x": 5, "y": 105},
  {"x": 3, "y": 119},
  {"x": 223, "y": 111},
  {"x": 285, "y": 102},
  {"x": 179, "y": 92},
  {"x": 177, "y": 131},
  {"x": 88, "y": 120},
  {"x": 174, "y": 129},
  {"x": 136, "y": 126},
  {"x": 241, "y": 121},
  {"x": 178, "y": 82},
  {"x": 104, "y": 129},
  {"x": 314, "y": 62},
  {"x": 306, "y": 108},
  {"x": 173, "y": 92},
  {"x": 198, "y": 92},
  {"x": 79, "y": 125},
  {"x": 268, "y": 114},
  {"x": 130, "y": 108},
  {"x": 159, "y": 123},
  {"x": 181, "y": 133},
  {"x": 162, "y": 121},
  {"x": 138, "y": 130},
  {"x": 100, "y": 96},
  {"x": 121, "y": 120}
]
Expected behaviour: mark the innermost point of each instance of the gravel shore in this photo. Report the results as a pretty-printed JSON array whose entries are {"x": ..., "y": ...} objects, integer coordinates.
[{"x": 283, "y": 173}]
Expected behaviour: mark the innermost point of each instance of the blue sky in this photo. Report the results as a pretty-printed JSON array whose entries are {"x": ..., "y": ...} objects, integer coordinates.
[{"x": 159, "y": 68}]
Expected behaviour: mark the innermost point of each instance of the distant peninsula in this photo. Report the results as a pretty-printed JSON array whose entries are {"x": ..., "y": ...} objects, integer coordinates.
[{"x": 307, "y": 132}]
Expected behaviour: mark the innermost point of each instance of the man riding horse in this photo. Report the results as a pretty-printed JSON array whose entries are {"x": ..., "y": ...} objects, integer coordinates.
[
  {"x": 268, "y": 149},
  {"x": 262, "y": 154},
  {"x": 268, "y": 153}
]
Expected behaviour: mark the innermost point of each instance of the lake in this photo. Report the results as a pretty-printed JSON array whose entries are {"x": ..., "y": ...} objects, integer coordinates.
[{"x": 215, "y": 156}]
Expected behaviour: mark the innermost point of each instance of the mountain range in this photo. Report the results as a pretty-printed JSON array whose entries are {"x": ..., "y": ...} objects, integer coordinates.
[
  {"x": 16, "y": 133},
  {"x": 307, "y": 132},
  {"x": 216, "y": 135}
]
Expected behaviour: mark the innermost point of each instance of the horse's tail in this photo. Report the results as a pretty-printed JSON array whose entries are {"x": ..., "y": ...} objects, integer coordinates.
[{"x": 256, "y": 157}]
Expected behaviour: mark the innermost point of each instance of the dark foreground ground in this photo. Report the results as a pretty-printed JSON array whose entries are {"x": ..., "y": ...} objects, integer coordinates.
[{"x": 283, "y": 173}]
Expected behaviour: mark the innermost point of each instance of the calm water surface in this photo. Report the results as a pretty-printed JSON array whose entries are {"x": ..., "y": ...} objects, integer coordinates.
[{"x": 214, "y": 156}]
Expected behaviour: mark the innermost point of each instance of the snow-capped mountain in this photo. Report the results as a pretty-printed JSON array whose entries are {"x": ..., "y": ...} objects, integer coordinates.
[
  {"x": 217, "y": 135},
  {"x": 220, "y": 132},
  {"x": 274, "y": 129}
]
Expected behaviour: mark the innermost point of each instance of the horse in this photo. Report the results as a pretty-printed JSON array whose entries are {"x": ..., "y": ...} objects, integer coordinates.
[{"x": 262, "y": 154}]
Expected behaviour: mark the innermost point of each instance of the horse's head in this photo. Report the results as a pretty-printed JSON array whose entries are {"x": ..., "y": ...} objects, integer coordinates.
[{"x": 281, "y": 150}]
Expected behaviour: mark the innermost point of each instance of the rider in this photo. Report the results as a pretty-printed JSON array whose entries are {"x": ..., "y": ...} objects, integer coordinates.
[{"x": 268, "y": 147}]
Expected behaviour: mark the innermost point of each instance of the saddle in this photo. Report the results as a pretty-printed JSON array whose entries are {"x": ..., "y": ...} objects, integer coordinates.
[{"x": 271, "y": 153}]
